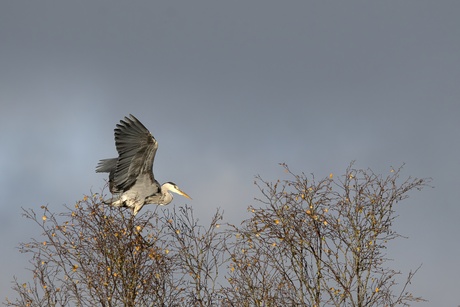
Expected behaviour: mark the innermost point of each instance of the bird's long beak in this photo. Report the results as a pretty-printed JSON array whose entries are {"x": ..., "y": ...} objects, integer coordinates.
[{"x": 184, "y": 194}]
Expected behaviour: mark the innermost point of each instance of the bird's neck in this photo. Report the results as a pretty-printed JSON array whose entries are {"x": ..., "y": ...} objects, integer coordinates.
[{"x": 166, "y": 196}]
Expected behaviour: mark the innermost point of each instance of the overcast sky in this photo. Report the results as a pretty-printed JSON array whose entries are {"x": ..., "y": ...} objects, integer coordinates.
[{"x": 230, "y": 89}]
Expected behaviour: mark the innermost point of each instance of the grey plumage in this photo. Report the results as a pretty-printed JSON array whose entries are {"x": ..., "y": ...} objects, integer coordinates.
[{"x": 131, "y": 177}]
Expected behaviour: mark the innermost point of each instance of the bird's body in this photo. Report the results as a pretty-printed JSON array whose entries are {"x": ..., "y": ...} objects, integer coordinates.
[{"x": 131, "y": 177}]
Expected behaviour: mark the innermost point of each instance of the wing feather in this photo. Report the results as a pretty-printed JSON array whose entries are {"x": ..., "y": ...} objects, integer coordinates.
[{"x": 136, "y": 148}]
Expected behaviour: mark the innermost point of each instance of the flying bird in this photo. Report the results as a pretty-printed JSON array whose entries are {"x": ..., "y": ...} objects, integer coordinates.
[{"x": 131, "y": 177}]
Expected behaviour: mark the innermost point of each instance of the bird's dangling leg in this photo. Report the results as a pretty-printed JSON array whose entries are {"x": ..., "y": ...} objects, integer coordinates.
[
  {"x": 115, "y": 203},
  {"x": 136, "y": 208}
]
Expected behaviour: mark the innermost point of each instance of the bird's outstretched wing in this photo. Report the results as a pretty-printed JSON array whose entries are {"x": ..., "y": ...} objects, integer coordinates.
[{"x": 136, "y": 151}]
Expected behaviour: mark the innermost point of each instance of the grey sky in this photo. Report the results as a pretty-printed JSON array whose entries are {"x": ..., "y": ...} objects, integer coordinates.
[{"x": 230, "y": 89}]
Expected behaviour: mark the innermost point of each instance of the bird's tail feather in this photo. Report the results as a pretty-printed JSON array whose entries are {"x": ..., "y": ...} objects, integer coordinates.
[{"x": 106, "y": 165}]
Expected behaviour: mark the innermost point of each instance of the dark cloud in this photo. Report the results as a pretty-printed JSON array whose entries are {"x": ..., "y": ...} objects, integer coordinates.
[{"x": 230, "y": 90}]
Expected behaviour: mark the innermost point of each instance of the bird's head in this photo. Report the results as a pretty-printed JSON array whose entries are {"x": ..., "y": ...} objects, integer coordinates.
[{"x": 172, "y": 187}]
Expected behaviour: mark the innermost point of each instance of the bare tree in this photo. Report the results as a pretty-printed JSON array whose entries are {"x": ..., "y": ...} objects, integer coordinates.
[
  {"x": 320, "y": 243},
  {"x": 309, "y": 242},
  {"x": 201, "y": 253},
  {"x": 97, "y": 254}
]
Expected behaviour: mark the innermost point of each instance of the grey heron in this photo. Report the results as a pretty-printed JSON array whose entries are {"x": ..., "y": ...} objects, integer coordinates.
[{"x": 131, "y": 177}]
